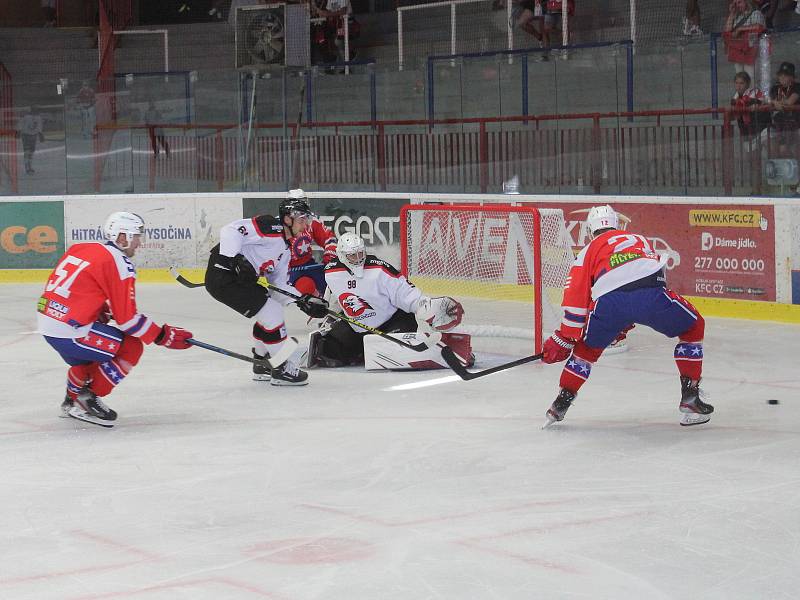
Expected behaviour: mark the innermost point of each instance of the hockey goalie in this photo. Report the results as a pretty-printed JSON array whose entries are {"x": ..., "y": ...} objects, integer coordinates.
[{"x": 371, "y": 291}]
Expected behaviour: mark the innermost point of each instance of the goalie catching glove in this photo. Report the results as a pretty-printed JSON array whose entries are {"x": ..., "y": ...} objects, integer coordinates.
[
  {"x": 442, "y": 313},
  {"x": 314, "y": 307},
  {"x": 557, "y": 348}
]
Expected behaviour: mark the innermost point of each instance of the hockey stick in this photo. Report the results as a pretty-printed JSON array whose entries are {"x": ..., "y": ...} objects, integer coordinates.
[
  {"x": 183, "y": 281},
  {"x": 191, "y": 284},
  {"x": 289, "y": 346},
  {"x": 420, "y": 347},
  {"x": 454, "y": 363}
]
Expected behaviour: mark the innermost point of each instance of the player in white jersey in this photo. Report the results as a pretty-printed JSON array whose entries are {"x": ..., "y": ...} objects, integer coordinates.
[
  {"x": 253, "y": 248},
  {"x": 373, "y": 292}
]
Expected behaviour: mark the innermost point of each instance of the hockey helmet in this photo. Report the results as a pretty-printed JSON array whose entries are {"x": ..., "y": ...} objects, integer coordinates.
[
  {"x": 601, "y": 217},
  {"x": 295, "y": 204},
  {"x": 123, "y": 222},
  {"x": 352, "y": 253}
]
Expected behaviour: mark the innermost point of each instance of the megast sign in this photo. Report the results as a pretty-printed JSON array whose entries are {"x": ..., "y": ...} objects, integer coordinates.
[{"x": 31, "y": 234}]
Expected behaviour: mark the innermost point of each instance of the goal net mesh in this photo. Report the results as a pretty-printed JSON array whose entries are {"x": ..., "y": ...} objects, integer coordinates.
[{"x": 506, "y": 265}]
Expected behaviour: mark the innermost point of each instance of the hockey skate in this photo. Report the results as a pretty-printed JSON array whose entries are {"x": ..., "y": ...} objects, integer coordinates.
[
  {"x": 65, "y": 406},
  {"x": 694, "y": 410},
  {"x": 261, "y": 371},
  {"x": 559, "y": 407},
  {"x": 91, "y": 409},
  {"x": 288, "y": 374}
]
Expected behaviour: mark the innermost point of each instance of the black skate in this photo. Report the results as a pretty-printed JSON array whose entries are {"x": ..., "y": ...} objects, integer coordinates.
[
  {"x": 65, "y": 406},
  {"x": 559, "y": 407},
  {"x": 289, "y": 374},
  {"x": 695, "y": 411},
  {"x": 261, "y": 371},
  {"x": 91, "y": 409}
]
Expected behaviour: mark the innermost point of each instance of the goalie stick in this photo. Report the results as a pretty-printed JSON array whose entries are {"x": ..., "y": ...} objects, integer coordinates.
[
  {"x": 420, "y": 347},
  {"x": 289, "y": 346},
  {"x": 454, "y": 363}
]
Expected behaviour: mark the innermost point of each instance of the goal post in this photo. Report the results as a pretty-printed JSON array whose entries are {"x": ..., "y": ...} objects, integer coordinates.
[{"x": 506, "y": 264}]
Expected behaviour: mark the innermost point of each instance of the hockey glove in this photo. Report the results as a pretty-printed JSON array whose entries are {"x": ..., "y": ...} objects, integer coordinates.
[
  {"x": 314, "y": 307},
  {"x": 245, "y": 273},
  {"x": 442, "y": 313},
  {"x": 173, "y": 338},
  {"x": 557, "y": 349},
  {"x": 329, "y": 254},
  {"x": 105, "y": 314}
]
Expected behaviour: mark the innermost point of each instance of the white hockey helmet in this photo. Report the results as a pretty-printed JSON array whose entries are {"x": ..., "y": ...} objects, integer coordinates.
[
  {"x": 351, "y": 251},
  {"x": 123, "y": 222},
  {"x": 601, "y": 217}
]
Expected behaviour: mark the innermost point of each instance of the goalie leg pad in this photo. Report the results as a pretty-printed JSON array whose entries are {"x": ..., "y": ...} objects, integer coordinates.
[
  {"x": 316, "y": 356},
  {"x": 381, "y": 354},
  {"x": 338, "y": 347}
]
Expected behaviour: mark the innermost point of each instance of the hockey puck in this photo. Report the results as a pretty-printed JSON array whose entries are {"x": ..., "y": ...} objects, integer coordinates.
[{"x": 772, "y": 401}]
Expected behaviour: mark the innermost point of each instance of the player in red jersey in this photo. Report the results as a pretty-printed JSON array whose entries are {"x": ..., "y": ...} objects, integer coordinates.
[
  {"x": 305, "y": 274},
  {"x": 92, "y": 283},
  {"x": 618, "y": 280}
]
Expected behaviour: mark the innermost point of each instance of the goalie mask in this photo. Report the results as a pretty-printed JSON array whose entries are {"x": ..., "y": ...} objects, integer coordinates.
[
  {"x": 123, "y": 222},
  {"x": 600, "y": 218},
  {"x": 352, "y": 253}
]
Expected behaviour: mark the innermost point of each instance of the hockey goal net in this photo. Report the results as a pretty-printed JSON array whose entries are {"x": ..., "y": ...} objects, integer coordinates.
[{"x": 506, "y": 264}]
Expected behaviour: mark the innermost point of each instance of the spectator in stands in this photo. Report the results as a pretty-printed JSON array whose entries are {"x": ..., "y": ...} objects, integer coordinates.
[
  {"x": 153, "y": 117},
  {"x": 29, "y": 129},
  {"x": 786, "y": 120},
  {"x": 744, "y": 25},
  {"x": 769, "y": 8},
  {"x": 745, "y": 101},
  {"x": 691, "y": 22},
  {"x": 552, "y": 23},
  {"x": 86, "y": 101},
  {"x": 49, "y": 12},
  {"x": 526, "y": 14},
  {"x": 335, "y": 12}
]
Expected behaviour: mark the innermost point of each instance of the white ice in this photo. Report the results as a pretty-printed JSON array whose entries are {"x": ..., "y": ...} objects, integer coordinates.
[{"x": 212, "y": 486}]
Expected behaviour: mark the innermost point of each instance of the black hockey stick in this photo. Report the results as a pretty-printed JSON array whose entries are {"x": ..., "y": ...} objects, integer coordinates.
[
  {"x": 191, "y": 284},
  {"x": 289, "y": 346},
  {"x": 183, "y": 281},
  {"x": 420, "y": 347},
  {"x": 454, "y": 363}
]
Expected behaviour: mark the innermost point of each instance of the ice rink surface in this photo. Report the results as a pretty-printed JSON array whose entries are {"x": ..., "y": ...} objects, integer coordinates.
[{"x": 212, "y": 486}]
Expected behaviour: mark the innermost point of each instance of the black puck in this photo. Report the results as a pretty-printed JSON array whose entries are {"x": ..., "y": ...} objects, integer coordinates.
[{"x": 772, "y": 401}]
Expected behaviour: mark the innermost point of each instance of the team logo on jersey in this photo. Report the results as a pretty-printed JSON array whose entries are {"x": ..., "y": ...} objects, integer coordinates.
[
  {"x": 353, "y": 305},
  {"x": 301, "y": 246},
  {"x": 267, "y": 267}
]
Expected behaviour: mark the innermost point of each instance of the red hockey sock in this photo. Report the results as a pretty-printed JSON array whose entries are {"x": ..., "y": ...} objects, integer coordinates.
[
  {"x": 108, "y": 375},
  {"x": 689, "y": 358},
  {"x": 77, "y": 377},
  {"x": 579, "y": 366},
  {"x": 689, "y": 351}
]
